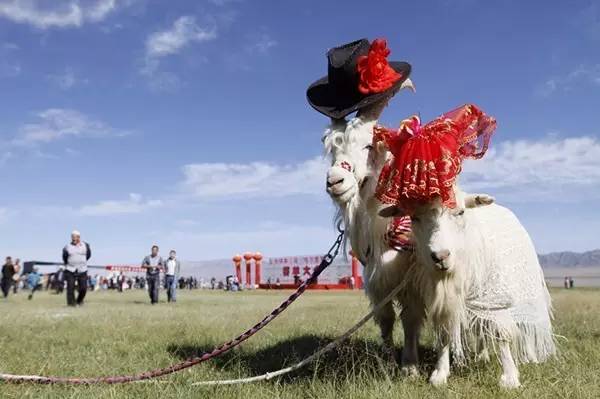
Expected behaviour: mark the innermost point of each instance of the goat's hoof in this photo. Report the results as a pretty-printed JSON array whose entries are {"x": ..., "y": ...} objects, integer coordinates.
[
  {"x": 483, "y": 356},
  {"x": 410, "y": 371},
  {"x": 509, "y": 381},
  {"x": 438, "y": 378},
  {"x": 389, "y": 355}
]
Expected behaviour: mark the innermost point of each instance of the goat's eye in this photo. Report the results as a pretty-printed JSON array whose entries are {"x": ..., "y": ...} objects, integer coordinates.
[
  {"x": 461, "y": 212},
  {"x": 414, "y": 219},
  {"x": 368, "y": 147}
]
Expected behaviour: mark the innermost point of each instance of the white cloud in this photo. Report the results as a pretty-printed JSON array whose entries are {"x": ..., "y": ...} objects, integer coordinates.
[
  {"x": 67, "y": 79},
  {"x": 261, "y": 43},
  {"x": 9, "y": 65},
  {"x": 276, "y": 239},
  {"x": 184, "y": 32},
  {"x": 57, "y": 123},
  {"x": 255, "y": 45},
  {"x": 161, "y": 81},
  {"x": 56, "y": 14},
  {"x": 583, "y": 74},
  {"x": 134, "y": 204},
  {"x": 553, "y": 169},
  {"x": 256, "y": 179}
]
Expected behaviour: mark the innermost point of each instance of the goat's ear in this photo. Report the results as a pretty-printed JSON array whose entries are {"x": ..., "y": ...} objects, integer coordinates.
[
  {"x": 390, "y": 211},
  {"x": 477, "y": 200},
  {"x": 373, "y": 112},
  {"x": 380, "y": 147}
]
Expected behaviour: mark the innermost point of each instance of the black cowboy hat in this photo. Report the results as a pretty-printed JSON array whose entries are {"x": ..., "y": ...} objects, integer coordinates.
[{"x": 337, "y": 95}]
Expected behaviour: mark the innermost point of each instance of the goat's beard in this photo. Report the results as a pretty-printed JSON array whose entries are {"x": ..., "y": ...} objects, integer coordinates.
[
  {"x": 355, "y": 221},
  {"x": 364, "y": 229}
]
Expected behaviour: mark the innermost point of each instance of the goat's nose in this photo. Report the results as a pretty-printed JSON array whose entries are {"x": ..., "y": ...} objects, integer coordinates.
[
  {"x": 440, "y": 256},
  {"x": 334, "y": 181}
]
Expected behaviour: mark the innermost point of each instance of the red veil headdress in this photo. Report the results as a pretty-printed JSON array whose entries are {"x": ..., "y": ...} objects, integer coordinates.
[{"x": 427, "y": 158}]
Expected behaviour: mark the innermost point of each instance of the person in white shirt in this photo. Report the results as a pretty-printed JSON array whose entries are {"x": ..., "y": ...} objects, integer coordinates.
[
  {"x": 75, "y": 257},
  {"x": 172, "y": 268}
]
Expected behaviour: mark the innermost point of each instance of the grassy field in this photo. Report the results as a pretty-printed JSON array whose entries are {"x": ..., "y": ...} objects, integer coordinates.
[{"x": 121, "y": 333}]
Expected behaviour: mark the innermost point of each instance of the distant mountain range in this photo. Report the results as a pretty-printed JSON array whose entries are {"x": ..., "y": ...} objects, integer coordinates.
[{"x": 571, "y": 259}]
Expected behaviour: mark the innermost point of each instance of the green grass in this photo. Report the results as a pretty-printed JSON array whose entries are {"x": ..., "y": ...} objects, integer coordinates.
[{"x": 122, "y": 334}]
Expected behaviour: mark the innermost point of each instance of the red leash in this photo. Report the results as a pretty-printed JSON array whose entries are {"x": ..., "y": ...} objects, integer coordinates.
[{"x": 327, "y": 260}]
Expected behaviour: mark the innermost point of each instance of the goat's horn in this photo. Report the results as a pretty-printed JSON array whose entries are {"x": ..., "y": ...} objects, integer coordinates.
[
  {"x": 408, "y": 84},
  {"x": 339, "y": 123}
]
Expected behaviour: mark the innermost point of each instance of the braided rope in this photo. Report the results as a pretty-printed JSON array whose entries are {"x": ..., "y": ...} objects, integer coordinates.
[
  {"x": 330, "y": 346},
  {"x": 327, "y": 260}
]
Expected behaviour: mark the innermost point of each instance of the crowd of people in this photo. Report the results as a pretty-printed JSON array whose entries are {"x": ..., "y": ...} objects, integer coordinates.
[{"x": 73, "y": 276}]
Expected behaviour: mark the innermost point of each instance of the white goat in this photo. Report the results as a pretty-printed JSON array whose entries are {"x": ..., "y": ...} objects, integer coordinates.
[
  {"x": 351, "y": 183},
  {"x": 482, "y": 285}
]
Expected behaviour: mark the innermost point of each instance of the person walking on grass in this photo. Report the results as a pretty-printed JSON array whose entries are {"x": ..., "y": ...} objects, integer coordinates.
[
  {"x": 17, "y": 276},
  {"x": 75, "y": 257},
  {"x": 172, "y": 268},
  {"x": 153, "y": 263},
  {"x": 8, "y": 272},
  {"x": 34, "y": 280}
]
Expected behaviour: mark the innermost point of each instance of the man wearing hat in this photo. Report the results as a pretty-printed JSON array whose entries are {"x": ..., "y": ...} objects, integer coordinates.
[{"x": 75, "y": 257}]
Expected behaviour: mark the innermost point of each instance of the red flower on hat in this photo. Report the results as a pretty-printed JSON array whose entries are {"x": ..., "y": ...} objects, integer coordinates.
[{"x": 375, "y": 73}]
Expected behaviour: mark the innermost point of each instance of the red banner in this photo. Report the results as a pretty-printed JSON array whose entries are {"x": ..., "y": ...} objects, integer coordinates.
[{"x": 125, "y": 268}]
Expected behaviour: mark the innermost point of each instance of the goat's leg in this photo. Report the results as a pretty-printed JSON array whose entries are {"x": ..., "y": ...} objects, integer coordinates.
[
  {"x": 442, "y": 368},
  {"x": 412, "y": 321},
  {"x": 483, "y": 353},
  {"x": 386, "y": 318},
  {"x": 510, "y": 372}
]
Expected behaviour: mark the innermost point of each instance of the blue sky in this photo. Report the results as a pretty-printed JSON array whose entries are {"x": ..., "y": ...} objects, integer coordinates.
[{"x": 184, "y": 123}]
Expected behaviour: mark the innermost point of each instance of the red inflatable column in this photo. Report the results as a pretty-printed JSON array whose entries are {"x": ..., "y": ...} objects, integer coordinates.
[
  {"x": 355, "y": 266},
  {"x": 257, "y": 265},
  {"x": 248, "y": 258},
  {"x": 237, "y": 262}
]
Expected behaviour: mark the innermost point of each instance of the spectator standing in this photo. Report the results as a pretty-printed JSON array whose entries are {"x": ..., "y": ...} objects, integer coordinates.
[
  {"x": 34, "y": 281},
  {"x": 153, "y": 263},
  {"x": 8, "y": 272},
  {"x": 59, "y": 280},
  {"x": 75, "y": 257},
  {"x": 17, "y": 276},
  {"x": 94, "y": 282},
  {"x": 571, "y": 282},
  {"x": 172, "y": 269}
]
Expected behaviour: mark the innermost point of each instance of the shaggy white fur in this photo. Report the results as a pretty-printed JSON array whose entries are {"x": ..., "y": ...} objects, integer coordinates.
[
  {"x": 488, "y": 292},
  {"x": 351, "y": 183}
]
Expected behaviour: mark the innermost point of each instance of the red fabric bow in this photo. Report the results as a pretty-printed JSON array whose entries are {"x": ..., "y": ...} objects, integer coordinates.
[
  {"x": 375, "y": 73},
  {"x": 427, "y": 159}
]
